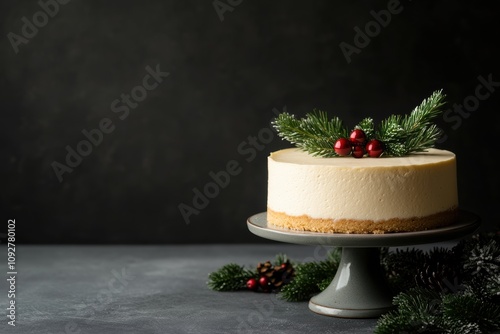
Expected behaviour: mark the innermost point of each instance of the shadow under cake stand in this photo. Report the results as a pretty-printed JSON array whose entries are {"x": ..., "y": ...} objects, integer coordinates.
[{"x": 359, "y": 288}]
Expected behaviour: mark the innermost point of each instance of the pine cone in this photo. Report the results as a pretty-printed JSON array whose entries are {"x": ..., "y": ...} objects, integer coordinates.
[
  {"x": 283, "y": 274},
  {"x": 265, "y": 269},
  {"x": 276, "y": 275},
  {"x": 440, "y": 271}
]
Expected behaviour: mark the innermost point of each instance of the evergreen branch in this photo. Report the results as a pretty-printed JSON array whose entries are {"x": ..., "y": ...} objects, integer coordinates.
[
  {"x": 417, "y": 301},
  {"x": 368, "y": 126},
  {"x": 308, "y": 280},
  {"x": 422, "y": 311},
  {"x": 414, "y": 132},
  {"x": 280, "y": 258},
  {"x": 314, "y": 134},
  {"x": 484, "y": 260},
  {"x": 423, "y": 114},
  {"x": 473, "y": 308},
  {"x": 401, "y": 135},
  {"x": 418, "y": 311},
  {"x": 230, "y": 277},
  {"x": 470, "y": 309},
  {"x": 311, "y": 278},
  {"x": 401, "y": 267}
]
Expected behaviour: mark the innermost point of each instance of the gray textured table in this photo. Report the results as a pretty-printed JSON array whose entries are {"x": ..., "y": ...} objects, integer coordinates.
[{"x": 154, "y": 289}]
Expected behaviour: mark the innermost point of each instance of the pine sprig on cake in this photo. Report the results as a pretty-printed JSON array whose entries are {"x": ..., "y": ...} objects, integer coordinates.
[
  {"x": 397, "y": 135},
  {"x": 315, "y": 134},
  {"x": 414, "y": 132}
]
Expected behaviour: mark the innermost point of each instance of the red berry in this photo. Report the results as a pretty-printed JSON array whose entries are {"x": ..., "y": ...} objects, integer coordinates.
[
  {"x": 342, "y": 146},
  {"x": 263, "y": 282},
  {"x": 374, "y": 148},
  {"x": 357, "y": 137},
  {"x": 252, "y": 284},
  {"x": 358, "y": 151}
]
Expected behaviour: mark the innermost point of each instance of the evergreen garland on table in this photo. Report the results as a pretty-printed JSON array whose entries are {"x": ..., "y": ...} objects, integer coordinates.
[
  {"x": 312, "y": 277},
  {"x": 267, "y": 277},
  {"x": 230, "y": 277},
  {"x": 461, "y": 294},
  {"x": 443, "y": 290},
  {"x": 395, "y": 136}
]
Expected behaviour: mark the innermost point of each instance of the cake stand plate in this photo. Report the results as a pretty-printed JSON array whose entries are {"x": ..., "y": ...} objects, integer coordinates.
[{"x": 359, "y": 288}]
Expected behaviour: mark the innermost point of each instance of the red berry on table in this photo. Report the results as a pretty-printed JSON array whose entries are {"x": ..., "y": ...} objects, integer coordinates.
[
  {"x": 252, "y": 284},
  {"x": 342, "y": 146},
  {"x": 374, "y": 148},
  {"x": 358, "y": 151},
  {"x": 263, "y": 282},
  {"x": 357, "y": 137}
]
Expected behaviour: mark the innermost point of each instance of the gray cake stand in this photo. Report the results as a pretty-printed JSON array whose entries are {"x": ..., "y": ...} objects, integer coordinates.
[{"x": 359, "y": 288}]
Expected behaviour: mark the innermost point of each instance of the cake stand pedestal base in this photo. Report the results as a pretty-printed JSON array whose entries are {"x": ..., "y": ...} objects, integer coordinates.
[{"x": 359, "y": 288}]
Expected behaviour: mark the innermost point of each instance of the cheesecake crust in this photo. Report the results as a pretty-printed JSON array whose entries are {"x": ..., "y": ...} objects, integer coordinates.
[{"x": 306, "y": 223}]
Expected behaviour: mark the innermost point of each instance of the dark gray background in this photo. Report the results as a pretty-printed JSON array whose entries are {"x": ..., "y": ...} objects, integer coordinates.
[{"x": 225, "y": 79}]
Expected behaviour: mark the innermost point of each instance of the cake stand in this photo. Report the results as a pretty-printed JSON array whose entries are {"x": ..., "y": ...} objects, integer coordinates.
[{"x": 359, "y": 288}]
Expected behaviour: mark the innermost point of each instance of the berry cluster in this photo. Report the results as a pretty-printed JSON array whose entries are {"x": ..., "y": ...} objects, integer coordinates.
[
  {"x": 357, "y": 145},
  {"x": 271, "y": 277},
  {"x": 262, "y": 282}
]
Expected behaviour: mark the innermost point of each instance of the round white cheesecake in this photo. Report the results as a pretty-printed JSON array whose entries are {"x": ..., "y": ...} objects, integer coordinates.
[{"x": 367, "y": 195}]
